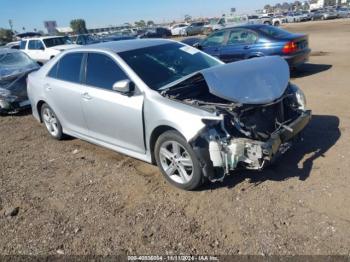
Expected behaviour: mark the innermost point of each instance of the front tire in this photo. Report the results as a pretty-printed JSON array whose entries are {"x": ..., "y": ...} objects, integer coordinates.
[
  {"x": 52, "y": 123},
  {"x": 177, "y": 161}
]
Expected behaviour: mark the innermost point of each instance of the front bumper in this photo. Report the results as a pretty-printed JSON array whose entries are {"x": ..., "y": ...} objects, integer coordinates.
[
  {"x": 11, "y": 106},
  {"x": 224, "y": 157},
  {"x": 272, "y": 147}
]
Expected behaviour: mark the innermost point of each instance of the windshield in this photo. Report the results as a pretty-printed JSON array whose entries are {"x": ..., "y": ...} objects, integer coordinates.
[
  {"x": 160, "y": 65},
  {"x": 274, "y": 31},
  {"x": 16, "y": 59},
  {"x": 50, "y": 42}
]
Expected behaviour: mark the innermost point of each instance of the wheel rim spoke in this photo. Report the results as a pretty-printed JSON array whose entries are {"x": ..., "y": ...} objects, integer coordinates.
[
  {"x": 176, "y": 148},
  {"x": 183, "y": 174},
  {"x": 171, "y": 170},
  {"x": 166, "y": 153},
  {"x": 186, "y": 162}
]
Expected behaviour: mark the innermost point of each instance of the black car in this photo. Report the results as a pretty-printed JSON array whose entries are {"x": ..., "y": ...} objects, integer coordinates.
[
  {"x": 14, "y": 68},
  {"x": 157, "y": 32}
]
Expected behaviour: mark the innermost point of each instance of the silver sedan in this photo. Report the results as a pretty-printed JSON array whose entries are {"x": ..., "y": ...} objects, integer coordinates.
[{"x": 172, "y": 105}]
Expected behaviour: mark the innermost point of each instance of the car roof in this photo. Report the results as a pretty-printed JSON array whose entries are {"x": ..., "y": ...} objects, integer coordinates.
[
  {"x": 125, "y": 45},
  {"x": 249, "y": 26},
  {"x": 41, "y": 37}
]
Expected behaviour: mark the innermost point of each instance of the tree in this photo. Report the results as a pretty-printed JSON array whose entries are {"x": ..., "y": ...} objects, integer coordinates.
[
  {"x": 5, "y": 35},
  {"x": 150, "y": 23},
  {"x": 140, "y": 23},
  {"x": 188, "y": 18},
  {"x": 268, "y": 8},
  {"x": 78, "y": 26},
  {"x": 285, "y": 6}
]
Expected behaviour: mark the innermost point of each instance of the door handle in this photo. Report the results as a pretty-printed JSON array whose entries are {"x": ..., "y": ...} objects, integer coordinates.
[
  {"x": 47, "y": 87},
  {"x": 247, "y": 47},
  {"x": 86, "y": 96}
]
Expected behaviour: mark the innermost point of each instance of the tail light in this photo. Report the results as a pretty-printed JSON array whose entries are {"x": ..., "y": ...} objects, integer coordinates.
[{"x": 290, "y": 47}]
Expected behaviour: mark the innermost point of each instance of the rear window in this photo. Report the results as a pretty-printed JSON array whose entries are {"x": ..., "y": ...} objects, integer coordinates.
[
  {"x": 50, "y": 42},
  {"x": 274, "y": 31}
]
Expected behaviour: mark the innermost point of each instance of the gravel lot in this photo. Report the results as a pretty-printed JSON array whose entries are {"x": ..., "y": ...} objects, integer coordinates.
[{"x": 76, "y": 198}]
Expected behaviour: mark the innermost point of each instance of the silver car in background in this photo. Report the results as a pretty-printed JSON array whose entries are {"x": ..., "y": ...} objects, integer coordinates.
[{"x": 172, "y": 105}]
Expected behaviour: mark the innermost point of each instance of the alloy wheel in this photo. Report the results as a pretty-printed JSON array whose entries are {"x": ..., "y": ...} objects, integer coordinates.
[
  {"x": 176, "y": 162},
  {"x": 50, "y": 121}
]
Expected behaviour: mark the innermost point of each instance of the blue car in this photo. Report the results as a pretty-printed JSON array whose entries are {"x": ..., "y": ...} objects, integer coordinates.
[{"x": 248, "y": 41}]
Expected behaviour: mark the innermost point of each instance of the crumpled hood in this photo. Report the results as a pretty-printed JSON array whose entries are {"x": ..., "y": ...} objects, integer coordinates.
[
  {"x": 13, "y": 71},
  {"x": 253, "y": 81},
  {"x": 64, "y": 47}
]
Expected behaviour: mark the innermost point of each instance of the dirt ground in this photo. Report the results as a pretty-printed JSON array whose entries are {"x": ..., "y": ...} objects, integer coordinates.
[{"x": 77, "y": 198}]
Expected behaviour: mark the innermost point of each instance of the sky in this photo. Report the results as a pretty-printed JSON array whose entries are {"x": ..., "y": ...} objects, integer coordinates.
[{"x": 31, "y": 13}]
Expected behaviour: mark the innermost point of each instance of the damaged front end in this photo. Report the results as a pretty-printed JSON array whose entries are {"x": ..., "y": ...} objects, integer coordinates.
[{"x": 250, "y": 135}]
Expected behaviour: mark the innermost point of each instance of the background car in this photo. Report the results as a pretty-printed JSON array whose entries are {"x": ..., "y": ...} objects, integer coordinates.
[
  {"x": 244, "y": 42},
  {"x": 84, "y": 39},
  {"x": 158, "y": 32},
  {"x": 13, "y": 45},
  {"x": 196, "y": 28},
  {"x": 343, "y": 12},
  {"x": 178, "y": 29},
  {"x": 293, "y": 17},
  {"x": 324, "y": 14},
  {"x": 14, "y": 68},
  {"x": 42, "y": 49}
]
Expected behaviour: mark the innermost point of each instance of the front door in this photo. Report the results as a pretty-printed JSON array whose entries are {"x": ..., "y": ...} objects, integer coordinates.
[{"x": 112, "y": 117}]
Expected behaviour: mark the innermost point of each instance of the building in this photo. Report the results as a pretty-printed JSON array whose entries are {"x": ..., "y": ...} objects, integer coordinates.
[{"x": 316, "y": 4}]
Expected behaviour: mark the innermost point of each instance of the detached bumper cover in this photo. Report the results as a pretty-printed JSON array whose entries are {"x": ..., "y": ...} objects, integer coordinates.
[{"x": 273, "y": 146}]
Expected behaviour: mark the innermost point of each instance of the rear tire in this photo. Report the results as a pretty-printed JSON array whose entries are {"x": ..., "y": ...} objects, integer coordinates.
[
  {"x": 52, "y": 123},
  {"x": 177, "y": 161}
]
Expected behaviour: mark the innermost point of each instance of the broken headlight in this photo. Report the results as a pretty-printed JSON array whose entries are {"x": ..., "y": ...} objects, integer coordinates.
[{"x": 299, "y": 96}]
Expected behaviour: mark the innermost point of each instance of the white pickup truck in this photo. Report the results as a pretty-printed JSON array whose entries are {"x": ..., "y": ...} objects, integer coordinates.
[{"x": 42, "y": 49}]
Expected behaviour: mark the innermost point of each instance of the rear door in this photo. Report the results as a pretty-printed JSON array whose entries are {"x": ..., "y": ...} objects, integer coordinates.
[
  {"x": 240, "y": 43},
  {"x": 64, "y": 92},
  {"x": 111, "y": 117}
]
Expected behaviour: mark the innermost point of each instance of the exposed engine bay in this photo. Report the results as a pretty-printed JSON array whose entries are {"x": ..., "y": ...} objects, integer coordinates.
[{"x": 250, "y": 135}]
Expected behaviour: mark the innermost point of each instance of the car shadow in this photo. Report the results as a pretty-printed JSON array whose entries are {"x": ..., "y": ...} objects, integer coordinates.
[
  {"x": 309, "y": 69},
  {"x": 318, "y": 137}
]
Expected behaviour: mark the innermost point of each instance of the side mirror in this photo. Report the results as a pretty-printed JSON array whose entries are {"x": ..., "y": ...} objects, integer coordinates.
[{"x": 125, "y": 87}]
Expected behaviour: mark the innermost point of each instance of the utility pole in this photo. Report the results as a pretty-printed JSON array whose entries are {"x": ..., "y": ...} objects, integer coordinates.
[{"x": 11, "y": 24}]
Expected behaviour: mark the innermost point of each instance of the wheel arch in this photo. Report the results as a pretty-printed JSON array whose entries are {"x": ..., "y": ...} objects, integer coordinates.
[
  {"x": 159, "y": 130},
  {"x": 38, "y": 108}
]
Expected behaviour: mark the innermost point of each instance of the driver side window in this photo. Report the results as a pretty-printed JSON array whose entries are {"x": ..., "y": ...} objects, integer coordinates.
[{"x": 215, "y": 39}]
